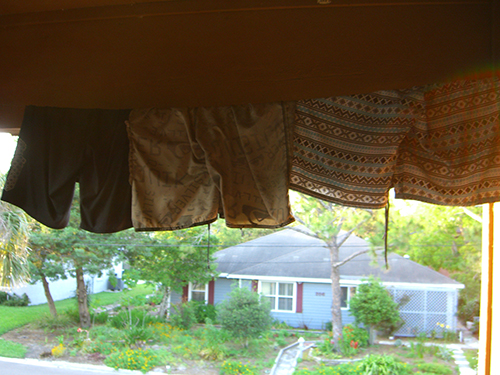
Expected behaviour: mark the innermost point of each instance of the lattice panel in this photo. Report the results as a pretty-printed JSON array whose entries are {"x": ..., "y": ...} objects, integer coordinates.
[
  {"x": 437, "y": 302},
  {"x": 425, "y": 311},
  {"x": 413, "y": 324},
  {"x": 413, "y": 300}
]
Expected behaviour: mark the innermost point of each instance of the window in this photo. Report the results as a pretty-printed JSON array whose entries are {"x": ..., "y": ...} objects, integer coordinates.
[
  {"x": 280, "y": 295},
  {"x": 198, "y": 292},
  {"x": 347, "y": 293}
]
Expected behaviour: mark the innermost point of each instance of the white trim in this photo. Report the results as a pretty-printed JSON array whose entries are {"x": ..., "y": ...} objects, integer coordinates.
[
  {"x": 343, "y": 281},
  {"x": 348, "y": 286},
  {"x": 294, "y": 295},
  {"x": 190, "y": 290}
]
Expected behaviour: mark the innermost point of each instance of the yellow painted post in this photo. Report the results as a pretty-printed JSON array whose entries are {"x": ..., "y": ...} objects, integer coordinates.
[{"x": 489, "y": 330}]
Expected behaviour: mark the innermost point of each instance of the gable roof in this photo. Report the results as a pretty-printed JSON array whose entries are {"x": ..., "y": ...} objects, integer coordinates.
[{"x": 298, "y": 256}]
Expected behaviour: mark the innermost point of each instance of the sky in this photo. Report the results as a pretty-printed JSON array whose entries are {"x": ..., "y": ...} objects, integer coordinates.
[{"x": 7, "y": 148}]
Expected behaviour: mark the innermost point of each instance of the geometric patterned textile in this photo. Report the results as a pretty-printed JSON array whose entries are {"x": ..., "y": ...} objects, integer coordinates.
[{"x": 439, "y": 144}]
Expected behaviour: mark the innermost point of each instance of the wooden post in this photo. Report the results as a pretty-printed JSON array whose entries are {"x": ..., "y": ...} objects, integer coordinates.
[{"x": 490, "y": 287}]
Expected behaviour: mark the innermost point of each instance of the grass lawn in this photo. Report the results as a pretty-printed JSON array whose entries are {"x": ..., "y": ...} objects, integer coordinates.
[
  {"x": 12, "y": 349},
  {"x": 14, "y": 317}
]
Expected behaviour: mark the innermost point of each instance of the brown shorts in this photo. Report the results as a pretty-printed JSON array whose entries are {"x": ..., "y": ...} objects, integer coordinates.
[{"x": 190, "y": 165}]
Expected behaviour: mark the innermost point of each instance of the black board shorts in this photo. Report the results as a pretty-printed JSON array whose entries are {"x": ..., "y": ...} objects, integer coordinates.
[{"x": 58, "y": 147}]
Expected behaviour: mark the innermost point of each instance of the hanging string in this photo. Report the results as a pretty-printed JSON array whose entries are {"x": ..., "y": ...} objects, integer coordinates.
[
  {"x": 386, "y": 234},
  {"x": 208, "y": 247}
]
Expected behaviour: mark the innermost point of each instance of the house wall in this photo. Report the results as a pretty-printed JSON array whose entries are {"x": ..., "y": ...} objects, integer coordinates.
[
  {"x": 222, "y": 288},
  {"x": 60, "y": 289},
  {"x": 316, "y": 309}
]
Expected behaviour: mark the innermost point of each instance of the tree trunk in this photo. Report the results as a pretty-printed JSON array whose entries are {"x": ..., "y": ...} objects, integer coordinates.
[
  {"x": 81, "y": 295},
  {"x": 372, "y": 338},
  {"x": 165, "y": 303},
  {"x": 50, "y": 300},
  {"x": 336, "y": 295}
]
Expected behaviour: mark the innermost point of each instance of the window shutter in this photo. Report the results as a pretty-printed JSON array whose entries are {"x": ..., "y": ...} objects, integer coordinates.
[
  {"x": 300, "y": 290},
  {"x": 185, "y": 293},
  {"x": 211, "y": 289},
  {"x": 255, "y": 286}
]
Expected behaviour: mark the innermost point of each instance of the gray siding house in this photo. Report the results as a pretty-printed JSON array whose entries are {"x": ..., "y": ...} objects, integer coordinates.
[{"x": 292, "y": 270}]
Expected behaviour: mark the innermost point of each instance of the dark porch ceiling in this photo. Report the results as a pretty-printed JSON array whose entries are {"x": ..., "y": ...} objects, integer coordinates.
[{"x": 117, "y": 54}]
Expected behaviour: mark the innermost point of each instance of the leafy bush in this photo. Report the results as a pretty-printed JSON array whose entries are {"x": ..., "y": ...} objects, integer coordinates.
[
  {"x": 326, "y": 348},
  {"x": 3, "y": 297},
  {"x": 372, "y": 305},
  {"x": 73, "y": 314},
  {"x": 435, "y": 368},
  {"x": 99, "y": 318},
  {"x": 444, "y": 353},
  {"x": 213, "y": 342},
  {"x": 344, "y": 369},
  {"x": 204, "y": 311},
  {"x": 142, "y": 360},
  {"x": 383, "y": 365},
  {"x": 15, "y": 300},
  {"x": 244, "y": 314},
  {"x": 184, "y": 315},
  {"x": 468, "y": 311},
  {"x": 102, "y": 347},
  {"x": 352, "y": 339},
  {"x": 48, "y": 321},
  {"x": 237, "y": 368},
  {"x": 133, "y": 317},
  {"x": 137, "y": 334}
]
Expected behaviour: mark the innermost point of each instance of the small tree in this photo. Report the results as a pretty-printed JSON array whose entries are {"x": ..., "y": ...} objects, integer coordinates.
[
  {"x": 244, "y": 314},
  {"x": 373, "y": 306}
]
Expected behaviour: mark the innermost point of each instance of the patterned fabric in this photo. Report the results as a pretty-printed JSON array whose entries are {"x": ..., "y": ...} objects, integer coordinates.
[
  {"x": 438, "y": 144},
  {"x": 189, "y": 165}
]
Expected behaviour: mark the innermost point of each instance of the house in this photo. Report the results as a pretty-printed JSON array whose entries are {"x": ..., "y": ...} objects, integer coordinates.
[
  {"x": 63, "y": 289},
  {"x": 292, "y": 270}
]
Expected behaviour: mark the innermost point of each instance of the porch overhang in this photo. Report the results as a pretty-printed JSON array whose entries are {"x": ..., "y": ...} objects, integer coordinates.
[{"x": 118, "y": 54}]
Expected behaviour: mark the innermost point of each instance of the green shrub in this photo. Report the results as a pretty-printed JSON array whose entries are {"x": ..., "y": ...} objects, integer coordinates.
[
  {"x": 244, "y": 314},
  {"x": 137, "y": 334},
  {"x": 73, "y": 314},
  {"x": 3, "y": 297},
  {"x": 444, "y": 353},
  {"x": 106, "y": 332},
  {"x": 468, "y": 311},
  {"x": 184, "y": 315},
  {"x": 435, "y": 368},
  {"x": 352, "y": 339},
  {"x": 204, "y": 311},
  {"x": 15, "y": 300},
  {"x": 12, "y": 349},
  {"x": 213, "y": 342},
  {"x": 142, "y": 360},
  {"x": 383, "y": 365},
  {"x": 343, "y": 369},
  {"x": 99, "y": 318},
  {"x": 133, "y": 317},
  {"x": 237, "y": 368},
  {"x": 49, "y": 322},
  {"x": 102, "y": 347},
  {"x": 372, "y": 305}
]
